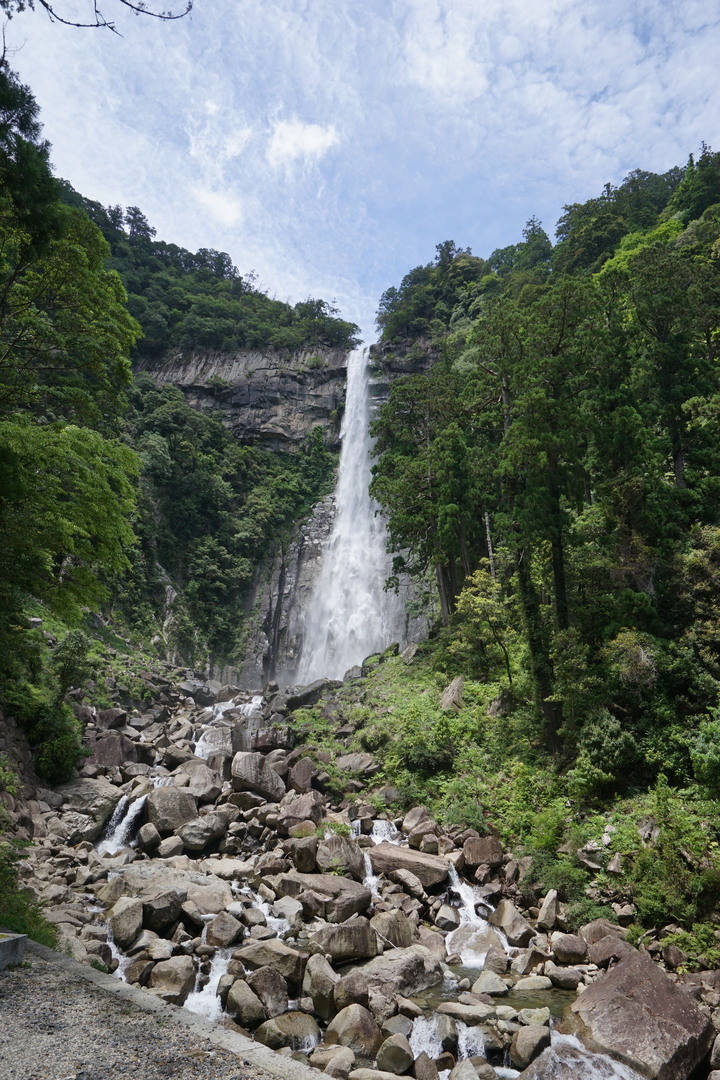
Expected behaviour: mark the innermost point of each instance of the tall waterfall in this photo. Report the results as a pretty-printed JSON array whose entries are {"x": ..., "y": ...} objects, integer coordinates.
[{"x": 350, "y": 615}]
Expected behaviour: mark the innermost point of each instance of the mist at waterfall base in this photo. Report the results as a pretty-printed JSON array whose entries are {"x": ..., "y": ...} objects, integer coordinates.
[{"x": 350, "y": 615}]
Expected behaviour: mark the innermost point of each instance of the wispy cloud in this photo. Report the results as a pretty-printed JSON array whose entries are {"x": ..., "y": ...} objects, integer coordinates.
[
  {"x": 331, "y": 145},
  {"x": 292, "y": 140}
]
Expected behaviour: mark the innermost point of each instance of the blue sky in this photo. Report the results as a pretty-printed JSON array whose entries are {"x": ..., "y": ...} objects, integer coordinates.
[{"x": 331, "y": 144}]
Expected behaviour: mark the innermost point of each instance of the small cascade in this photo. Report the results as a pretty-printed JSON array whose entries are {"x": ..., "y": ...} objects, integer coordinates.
[
  {"x": 204, "y": 1000},
  {"x": 349, "y": 614},
  {"x": 475, "y": 936},
  {"x": 123, "y": 960},
  {"x": 424, "y": 1037},
  {"x": 277, "y": 923},
  {"x": 568, "y": 1057},
  {"x": 123, "y": 825},
  {"x": 371, "y": 880},
  {"x": 215, "y": 735},
  {"x": 384, "y": 832}
]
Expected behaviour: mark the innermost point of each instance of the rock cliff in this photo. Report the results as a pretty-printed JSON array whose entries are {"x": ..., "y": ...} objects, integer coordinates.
[{"x": 269, "y": 397}]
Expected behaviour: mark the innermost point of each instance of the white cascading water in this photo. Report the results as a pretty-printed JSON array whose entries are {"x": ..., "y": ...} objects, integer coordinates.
[
  {"x": 122, "y": 826},
  {"x": 349, "y": 614},
  {"x": 475, "y": 936}
]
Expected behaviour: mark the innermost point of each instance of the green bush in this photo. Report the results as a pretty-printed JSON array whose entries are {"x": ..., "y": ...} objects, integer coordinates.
[{"x": 19, "y": 912}]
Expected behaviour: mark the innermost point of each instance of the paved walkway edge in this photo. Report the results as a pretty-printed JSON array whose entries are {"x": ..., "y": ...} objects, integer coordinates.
[{"x": 251, "y": 1053}]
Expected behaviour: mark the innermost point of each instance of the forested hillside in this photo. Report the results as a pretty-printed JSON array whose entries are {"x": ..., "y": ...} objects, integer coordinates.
[
  {"x": 556, "y": 474},
  {"x": 114, "y": 494}
]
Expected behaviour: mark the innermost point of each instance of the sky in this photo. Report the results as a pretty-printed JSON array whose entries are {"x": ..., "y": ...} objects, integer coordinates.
[{"x": 329, "y": 145}]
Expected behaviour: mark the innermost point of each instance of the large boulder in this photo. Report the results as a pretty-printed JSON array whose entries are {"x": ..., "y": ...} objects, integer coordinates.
[
  {"x": 169, "y": 808},
  {"x": 337, "y": 855},
  {"x": 94, "y": 798},
  {"x": 244, "y": 1005},
  {"x": 338, "y": 897},
  {"x": 205, "y": 784},
  {"x": 199, "y": 833},
  {"x": 430, "y": 869},
  {"x": 527, "y": 1044},
  {"x": 399, "y": 973},
  {"x": 163, "y": 910},
  {"x": 569, "y": 948},
  {"x": 352, "y": 940},
  {"x": 319, "y": 983},
  {"x": 126, "y": 919},
  {"x": 250, "y": 772},
  {"x": 395, "y": 1055},
  {"x": 295, "y": 809},
  {"x": 224, "y": 930},
  {"x": 273, "y": 953},
  {"x": 294, "y": 1029},
  {"x": 173, "y": 979},
  {"x": 151, "y": 879},
  {"x": 507, "y": 918},
  {"x": 271, "y": 989},
  {"x": 479, "y": 850},
  {"x": 637, "y": 1014},
  {"x": 356, "y": 1028},
  {"x": 394, "y": 928}
]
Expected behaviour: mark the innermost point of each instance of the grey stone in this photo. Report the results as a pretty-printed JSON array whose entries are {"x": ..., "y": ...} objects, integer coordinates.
[
  {"x": 294, "y": 1029},
  {"x": 126, "y": 919},
  {"x": 527, "y": 1044},
  {"x": 169, "y": 808},
  {"x": 355, "y": 1027},
  {"x": 251, "y": 773},
  {"x": 395, "y": 1055},
  {"x": 351, "y": 940},
  {"x": 244, "y": 1005},
  {"x": 174, "y": 979}
]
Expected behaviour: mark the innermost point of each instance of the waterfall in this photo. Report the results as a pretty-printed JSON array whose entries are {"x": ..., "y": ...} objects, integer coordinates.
[{"x": 349, "y": 614}]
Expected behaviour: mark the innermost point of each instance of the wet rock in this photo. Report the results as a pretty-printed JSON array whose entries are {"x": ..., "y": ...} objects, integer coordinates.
[
  {"x": 425, "y": 1068},
  {"x": 356, "y": 1028},
  {"x": 447, "y": 918},
  {"x": 251, "y": 773},
  {"x": 489, "y": 983},
  {"x": 636, "y": 1013},
  {"x": 533, "y": 983},
  {"x": 294, "y": 1029},
  {"x": 169, "y": 808}
]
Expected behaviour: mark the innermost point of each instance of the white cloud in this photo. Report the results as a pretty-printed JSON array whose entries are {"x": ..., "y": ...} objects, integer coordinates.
[
  {"x": 292, "y": 140},
  {"x": 223, "y": 207}
]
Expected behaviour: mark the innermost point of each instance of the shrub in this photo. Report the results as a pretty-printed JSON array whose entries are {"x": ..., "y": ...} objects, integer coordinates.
[{"x": 19, "y": 911}]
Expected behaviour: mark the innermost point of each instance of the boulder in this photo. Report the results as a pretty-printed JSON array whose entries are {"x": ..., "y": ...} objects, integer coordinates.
[
  {"x": 635, "y": 1013},
  {"x": 318, "y": 983},
  {"x": 533, "y": 983},
  {"x": 569, "y": 948},
  {"x": 337, "y": 855},
  {"x": 112, "y": 750},
  {"x": 393, "y": 927},
  {"x": 224, "y": 930},
  {"x": 359, "y": 763},
  {"x": 295, "y": 809},
  {"x": 251, "y": 773},
  {"x": 527, "y": 1044},
  {"x": 275, "y": 954},
  {"x": 351, "y": 940},
  {"x": 163, "y": 910},
  {"x": 173, "y": 979},
  {"x": 169, "y": 808},
  {"x": 205, "y": 784},
  {"x": 447, "y": 918},
  {"x": 153, "y": 878},
  {"x": 610, "y": 947},
  {"x": 199, "y": 833},
  {"x": 451, "y": 699},
  {"x": 351, "y": 989},
  {"x": 271, "y": 989},
  {"x": 399, "y": 972},
  {"x": 548, "y": 912},
  {"x": 516, "y": 929},
  {"x": 94, "y": 798},
  {"x": 429, "y": 869},
  {"x": 490, "y": 983},
  {"x": 148, "y": 837},
  {"x": 356, "y": 1028},
  {"x": 244, "y": 1005},
  {"x": 339, "y": 897},
  {"x": 425, "y": 1068},
  {"x": 482, "y": 850},
  {"x": 302, "y": 852},
  {"x": 565, "y": 978},
  {"x": 395, "y": 1055},
  {"x": 294, "y": 1029},
  {"x": 597, "y": 929},
  {"x": 125, "y": 920},
  {"x": 301, "y": 775}
]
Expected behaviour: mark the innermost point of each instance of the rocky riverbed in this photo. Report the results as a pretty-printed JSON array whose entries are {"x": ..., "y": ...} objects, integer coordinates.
[{"x": 201, "y": 855}]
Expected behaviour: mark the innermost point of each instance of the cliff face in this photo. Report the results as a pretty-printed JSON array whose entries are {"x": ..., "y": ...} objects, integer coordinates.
[{"x": 273, "y": 398}]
